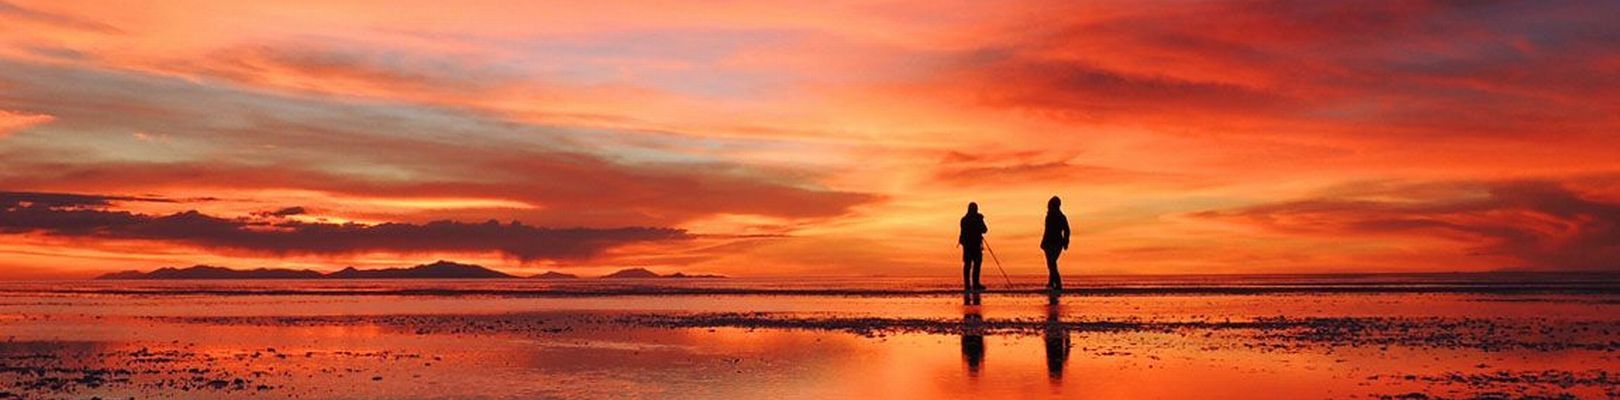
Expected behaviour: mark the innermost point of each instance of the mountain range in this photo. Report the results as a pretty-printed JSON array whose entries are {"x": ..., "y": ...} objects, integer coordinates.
[
  {"x": 642, "y": 273},
  {"x": 437, "y": 270},
  {"x": 555, "y": 275}
]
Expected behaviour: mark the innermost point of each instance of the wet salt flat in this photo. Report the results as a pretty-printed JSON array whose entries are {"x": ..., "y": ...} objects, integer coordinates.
[{"x": 1153, "y": 337}]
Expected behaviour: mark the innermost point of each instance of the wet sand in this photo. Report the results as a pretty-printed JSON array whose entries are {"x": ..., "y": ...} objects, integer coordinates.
[{"x": 84, "y": 341}]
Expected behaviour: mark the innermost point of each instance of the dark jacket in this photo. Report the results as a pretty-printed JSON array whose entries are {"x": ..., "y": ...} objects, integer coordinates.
[
  {"x": 1056, "y": 237},
  {"x": 973, "y": 230}
]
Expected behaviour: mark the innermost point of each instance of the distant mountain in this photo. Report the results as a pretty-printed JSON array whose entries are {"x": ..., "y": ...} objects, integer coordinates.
[
  {"x": 555, "y": 275},
  {"x": 683, "y": 275},
  {"x": 130, "y": 274},
  {"x": 632, "y": 273},
  {"x": 437, "y": 270},
  {"x": 641, "y": 273},
  {"x": 212, "y": 272}
]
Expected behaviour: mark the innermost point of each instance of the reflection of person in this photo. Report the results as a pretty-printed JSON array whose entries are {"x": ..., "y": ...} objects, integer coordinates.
[
  {"x": 1054, "y": 242},
  {"x": 972, "y": 334},
  {"x": 1056, "y": 336},
  {"x": 972, "y": 241}
]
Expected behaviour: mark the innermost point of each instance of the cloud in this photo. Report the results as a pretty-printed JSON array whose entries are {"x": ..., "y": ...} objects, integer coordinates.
[
  {"x": 1076, "y": 90},
  {"x": 282, "y": 213},
  {"x": 87, "y": 217},
  {"x": 68, "y": 200},
  {"x": 54, "y": 19},
  {"x": 222, "y": 138},
  {"x": 574, "y": 191},
  {"x": 1384, "y": 69},
  {"x": 13, "y": 122},
  {"x": 1037, "y": 169},
  {"x": 379, "y": 73},
  {"x": 1540, "y": 224}
]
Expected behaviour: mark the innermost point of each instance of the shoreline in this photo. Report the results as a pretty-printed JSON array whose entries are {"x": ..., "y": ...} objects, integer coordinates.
[{"x": 562, "y": 291}]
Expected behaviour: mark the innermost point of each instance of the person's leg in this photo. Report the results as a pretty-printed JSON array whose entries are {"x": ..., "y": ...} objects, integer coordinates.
[
  {"x": 1053, "y": 279},
  {"x": 967, "y": 270},
  {"x": 978, "y": 265}
]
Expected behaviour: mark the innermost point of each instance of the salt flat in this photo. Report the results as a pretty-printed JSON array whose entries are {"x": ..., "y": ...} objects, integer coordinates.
[{"x": 1108, "y": 337}]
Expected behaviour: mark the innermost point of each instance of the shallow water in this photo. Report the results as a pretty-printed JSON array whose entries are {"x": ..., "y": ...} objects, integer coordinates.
[{"x": 1362, "y": 336}]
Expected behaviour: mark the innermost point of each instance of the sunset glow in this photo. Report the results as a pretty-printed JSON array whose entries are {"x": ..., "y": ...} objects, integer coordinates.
[{"x": 755, "y": 138}]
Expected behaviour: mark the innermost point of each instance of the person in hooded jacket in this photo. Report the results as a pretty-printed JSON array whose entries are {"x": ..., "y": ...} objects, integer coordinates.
[{"x": 1054, "y": 242}]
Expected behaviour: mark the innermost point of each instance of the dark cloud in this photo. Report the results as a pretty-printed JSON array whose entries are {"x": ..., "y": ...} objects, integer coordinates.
[
  {"x": 84, "y": 216},
  {"x": 68, "y": 199},
  {"x": 1541, "y": 224},
  {"x": 282, "y": 213},
  {"x": 574, "y": 191}
]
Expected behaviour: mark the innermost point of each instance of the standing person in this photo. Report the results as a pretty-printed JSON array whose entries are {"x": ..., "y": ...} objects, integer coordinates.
[
  {"x": 972, "y": 241},
  {"x": 1054, "y": 242}
]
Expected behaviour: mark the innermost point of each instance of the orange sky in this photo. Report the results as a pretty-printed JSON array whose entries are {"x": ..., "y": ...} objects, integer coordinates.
[{"x": 823, "y": 138}]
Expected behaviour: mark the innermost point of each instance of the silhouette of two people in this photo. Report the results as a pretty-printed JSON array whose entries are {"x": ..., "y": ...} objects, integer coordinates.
[
  {"x": 1054, "y": 241},
  {"x": 972, "y": 241}
]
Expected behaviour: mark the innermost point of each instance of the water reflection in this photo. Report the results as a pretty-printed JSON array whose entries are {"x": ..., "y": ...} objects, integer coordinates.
[
  {"x": 972, "y": 334},
  {"x": 1056, "y": 336}
]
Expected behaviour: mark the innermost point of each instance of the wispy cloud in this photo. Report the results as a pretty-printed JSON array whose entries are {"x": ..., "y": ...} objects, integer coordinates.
[
  {"x": 13, "y": 122},
  {"x": 9, "y": 10}
]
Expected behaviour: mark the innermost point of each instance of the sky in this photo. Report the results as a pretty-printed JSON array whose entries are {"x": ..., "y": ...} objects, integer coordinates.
[{"x": 766, "y": 138}]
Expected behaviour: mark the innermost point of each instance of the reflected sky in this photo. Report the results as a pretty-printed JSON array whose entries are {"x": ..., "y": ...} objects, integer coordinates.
[{"x": 702, "y": 346}]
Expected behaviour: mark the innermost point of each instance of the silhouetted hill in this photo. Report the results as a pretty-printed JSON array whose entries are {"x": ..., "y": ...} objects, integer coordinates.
[
  {"x": 130, "y": 274},
  {"x": 633, "y": 273},
  {"x": 683, "y": 275},
  {"x": 437, "y": 270},
  {"x": 212, "y": 272},
  {"x": 554, "y": 275}
]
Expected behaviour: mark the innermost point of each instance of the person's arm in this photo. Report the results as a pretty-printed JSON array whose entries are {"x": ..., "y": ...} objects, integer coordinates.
[
  {"x": 1065, "y": 233},
  {"x": 983, "y": 228},
  {"x": 961, "y": 234}
]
